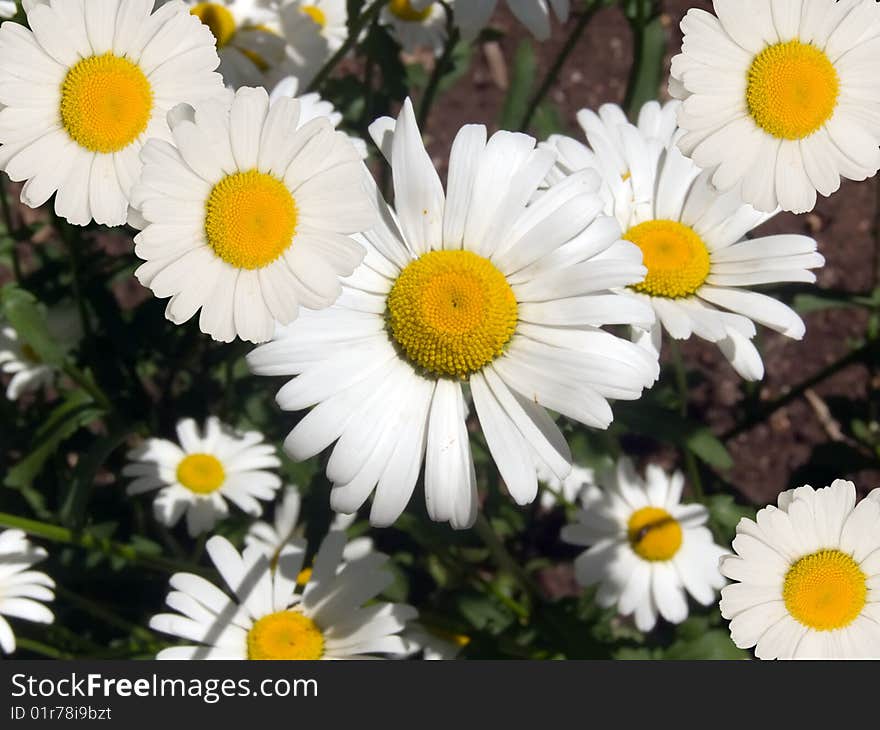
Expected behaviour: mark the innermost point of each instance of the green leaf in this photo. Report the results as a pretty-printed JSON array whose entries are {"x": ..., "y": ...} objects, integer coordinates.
[
  {"x": 22, "y": 310},
  {"x": 525, "y": 69},
  {"x": 726, "y": 513},
  {"x": 712, "y": 644},
  {"x": 808, "y": 303},
  {"x": 707, "y": 447},
  {"x": 74, "y": 413}
]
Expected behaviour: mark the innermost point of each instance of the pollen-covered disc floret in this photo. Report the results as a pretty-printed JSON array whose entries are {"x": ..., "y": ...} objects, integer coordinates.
[
  {"x": 451, "y": 312},
  {"x": 675, "y": 256},
  {"x": 197, "y": 475},
  {"x": 647, "y": 551},
  {"x": 780, "y": 98},
  {"x": 82, "y": 92},
  {"x": 272, "y": 616},
  {"x": 806, "y": 577}
]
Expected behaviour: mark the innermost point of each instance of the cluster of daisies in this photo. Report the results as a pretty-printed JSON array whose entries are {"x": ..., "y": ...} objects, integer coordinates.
[{"x": 482, "y": 301}]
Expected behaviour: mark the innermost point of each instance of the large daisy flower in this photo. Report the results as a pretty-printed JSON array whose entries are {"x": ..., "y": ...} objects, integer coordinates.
[
  {"x": 471, "y": 16},
  {"x": 248, "y": 38},
  {"x": 700, "y": 265},
  {"x": 202, "y": 472},
  {"x": 781, "y": 98},
  {"x": 21, "y": 589},
  {"x": 648, "y": 551},
  {"x": 416, "y": 28},
  {"x": 83, "y": 90},
  {"x": 479, "y": 292},
  {"x": 314, "y": 31},
  {"x": 808, "y": 577},
  {"x": 269, "y": 618},
  {"x": 246, "y": 216}
]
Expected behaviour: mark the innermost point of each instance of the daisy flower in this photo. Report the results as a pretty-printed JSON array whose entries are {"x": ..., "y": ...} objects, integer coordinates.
[
  {"x": 271, "y": 538},
  {"x": 7, "y": 8},
  {"x": 85, "y": 87},
  {"x": 471, "y": 16},
  {"x": 692, "y": 237},
  {"x": 268, "y": 618},
  {"x": 647, "y": 549},
  {"x": 248, "y": 38},
  {"x": 246, "y": 215},
  {"x": 807, "y": 577},
  {"x": 24, "y": 364},
  {"x": 434, "y": 644},
  {"x": 415, "y": 29},
  {"x": 781, "y": 98},
  {"x": 202, "y": 472},
  {"x": 21, "y": 589},
  {"x": 314, "y": 31},
  {"x": 478, "y": 292},
  {"x": 566, "y": 490}
]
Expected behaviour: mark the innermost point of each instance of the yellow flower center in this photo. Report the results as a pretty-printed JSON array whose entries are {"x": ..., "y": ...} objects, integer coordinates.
[
  {"x": 316, "y": 14},
  {"x": 404, "y": 10},
  {"x": 218, "y": 18},
  {"x": 305, "y": 575},
  {"x": 654, "y": 534},
  {"x": 285, "y": 635},
  {"x": 250, "y": 219},
  {"x": 675, "y": 256},
  {"x": 201, "y": 473},
  {"x": 825, "y": 590},
  {"x": 106, "y": 103},
  {"x": 451, "y": 312},
  {"x": 792, "y": 89}
]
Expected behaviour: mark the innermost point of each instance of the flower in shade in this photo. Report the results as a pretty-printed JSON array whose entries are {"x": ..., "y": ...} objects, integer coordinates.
[
  {"x": 416, "y": 28},
  {"x": 700, "y": 267},
  {"x": 781, "y": 98},
  {"x": 22, "y": 590},
  {"x": 475, "y": 287},
  {"x": 471, "y": 16},
  {"x": 647, "y": 550},
  {"x": 84, "y": 88},
  {"x": 314, "y": 31},
  {"x": 807, "y": 576},
  {"x": 204, "y": 470},
  {"x": 247, "y": 214},
  {"x": 434, "y": 644},
  {"x": 272, "y": 616}
]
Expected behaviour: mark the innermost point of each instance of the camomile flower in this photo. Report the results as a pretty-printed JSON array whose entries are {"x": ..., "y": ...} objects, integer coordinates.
[
  {"x": 470, "y": 294},
  {"x": 22, "y": 590},
  {"x": 85, "y": 87},
  {"x": 269, "y": 618},
  {"x": 807, "y": 577},
  {"x": 248, "y": 38},
  {"x": 566, "y": 490},
  {"x": 314, "y": 31},
  {"x": 271, "y": 538},
  {"x": 647, "y": 550},
  {"x": 7, "y": 8},
  {"x": 471, "y": 16},
  {"x": 197, "y": 476},
  {"x": 700, "y": 265},
  {"x": 247, "y": 214},
  {"x": 28, "y": 370},
  {"x": 434, "y": 644},
  {"x": 312, "y": 106},
  {"x": 781, "y": 98},
  {"x": 416, "y": 28}
]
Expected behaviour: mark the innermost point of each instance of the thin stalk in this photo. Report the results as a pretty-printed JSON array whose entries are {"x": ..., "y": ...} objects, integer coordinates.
[
  {"x": 88, "y": 385},
  {"x": 690, "y": 461},
  {"x": 504, "y": 559},
  {"x": 105, "y": 615},
  {"x": 38, "y": 647},
  {"x": 64, "y": 230},
  {"x": 552, "y": 74},
  {"x": 11, "y": 229},
  {"x": 440, "y": 68}
]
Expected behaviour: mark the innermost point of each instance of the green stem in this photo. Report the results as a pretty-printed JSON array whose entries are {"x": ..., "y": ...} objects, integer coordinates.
[
  {"x": 64, "y": 230},
  {"x": 437, "y": 74},
  {"x": 504, "y": 559},
  {"x": 105, "y": 615},
  {"x": 11, "y": 229},
  {"x": 690, "y": 461},
  {"x": 88, "y": 541},
  {"x": 354, "y": 33},
  {"x": 649, "y": 47},
  {"x": 88, "y": 385},
  {"x": 38, "y": 647},
  {"x": 552, "y": 75}
]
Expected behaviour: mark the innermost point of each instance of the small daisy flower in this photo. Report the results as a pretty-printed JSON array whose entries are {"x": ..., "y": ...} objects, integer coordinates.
[
  {"x": 415, "y": 29},
  {"x": 567, "y": 490},
  {"x": 248, "y": 38},
  {"x": 700, "y": 265},
  {"x": 781, "y": 98},
  {"x": 314, "y": 31},
  {"x": 434, "y": 644},
  {"x": 85, "y": 87},
  {"x": 807, "y": 577},
  {"x": 647, "y": 549},
  {"x": 269, "y": 618},
  {"x": 24, "y": 364},
  {"x": 197, "y": 476},
  {"x": 247, "y": 215},
  {"x": 271, "y": 538},
  {"x": 21, "y": 589},
  {"x": 471, "y": 16},
  {"x": 7, "y": 8},
  {"x": 471, "y": 288}
]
